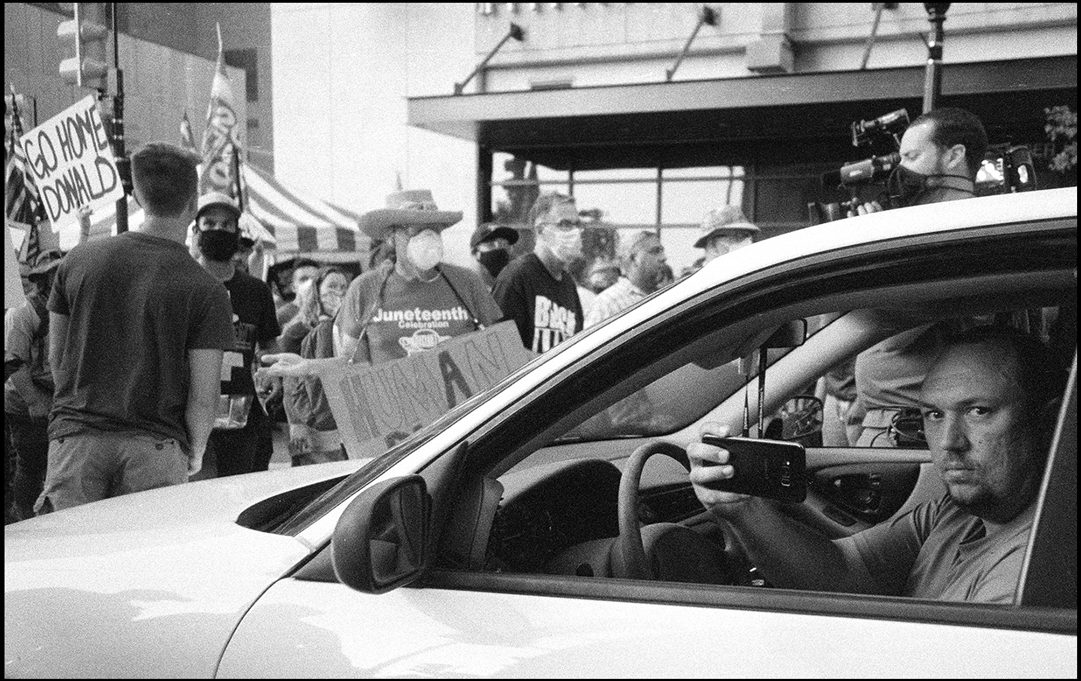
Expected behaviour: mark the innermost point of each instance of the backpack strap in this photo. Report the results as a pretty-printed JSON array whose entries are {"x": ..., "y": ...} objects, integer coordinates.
[
  {"x": 476, "y": 322},
  {"x": 371, "y": 312}
]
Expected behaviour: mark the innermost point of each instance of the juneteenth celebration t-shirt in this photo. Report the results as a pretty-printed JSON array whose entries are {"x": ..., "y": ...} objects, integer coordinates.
[
  {"x": 412, "y": 315},
  {"x": 547, "y": 310}
]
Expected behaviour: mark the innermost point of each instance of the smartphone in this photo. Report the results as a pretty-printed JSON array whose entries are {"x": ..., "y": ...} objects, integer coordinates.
[{"x": 764, "y": 468}]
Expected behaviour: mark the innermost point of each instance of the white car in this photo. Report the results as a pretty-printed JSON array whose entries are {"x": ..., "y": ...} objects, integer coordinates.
[{"x": 522, "y": 534}]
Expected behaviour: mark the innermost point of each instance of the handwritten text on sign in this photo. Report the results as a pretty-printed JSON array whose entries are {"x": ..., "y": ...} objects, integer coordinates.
[
  {"x": 72, "y": 162},
  {"x": 378, "y": 406}
]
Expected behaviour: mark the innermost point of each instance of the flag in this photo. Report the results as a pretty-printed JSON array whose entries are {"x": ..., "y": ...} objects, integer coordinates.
[
  {"x": 187, "y": 139},
  {"x": 22, "y": 202},
  {"x": 220, "y": 141}
]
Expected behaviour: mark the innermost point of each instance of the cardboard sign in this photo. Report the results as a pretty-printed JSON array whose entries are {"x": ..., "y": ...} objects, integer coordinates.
[
  {"x": 72, "y": 162},
  {"x": 376, "y": 407}
]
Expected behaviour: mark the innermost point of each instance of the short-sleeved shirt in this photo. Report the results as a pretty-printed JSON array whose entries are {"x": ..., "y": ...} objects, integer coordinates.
[
  {"x": 940, "y": 551},
  {"x": 889, "y": 374},
  {"x": 547, "y": 310},
  {"x": 406, "y": 316},
  {"x": 612, "y": 300},
  {"x": 136, "y": 304},
  {"x": 254, "y": 322}
]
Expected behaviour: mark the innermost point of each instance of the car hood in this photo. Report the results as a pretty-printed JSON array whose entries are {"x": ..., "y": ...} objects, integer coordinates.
[{"x": 146, "y": 585}]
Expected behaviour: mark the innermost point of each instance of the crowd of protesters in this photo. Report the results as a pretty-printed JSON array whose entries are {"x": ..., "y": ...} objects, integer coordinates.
[{"x": 131, "y": 365}]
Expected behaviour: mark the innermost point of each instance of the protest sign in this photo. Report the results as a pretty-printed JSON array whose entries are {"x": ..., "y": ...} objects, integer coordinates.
[
  {"x": 378, "y": 406},
  {"x": 71, "y": 161}
]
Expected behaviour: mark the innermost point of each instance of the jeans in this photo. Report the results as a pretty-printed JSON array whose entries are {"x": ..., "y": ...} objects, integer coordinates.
[{"x": 30, "y": 443}]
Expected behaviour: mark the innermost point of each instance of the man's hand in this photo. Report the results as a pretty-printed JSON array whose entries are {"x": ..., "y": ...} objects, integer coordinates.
[
  {"x": 866, "y": 208},
  {"x": 704, "y": 475},
  {"x": 284, "y": 364},
  {"x": 195, "y": 462}
]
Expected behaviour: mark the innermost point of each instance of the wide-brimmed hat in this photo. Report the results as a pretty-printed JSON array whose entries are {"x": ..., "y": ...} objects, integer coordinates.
[
  {"x": 407, "y": 207},
  {"x": 486, "y": 231},
  {"x": 725, "y": 219},
  {"x": 217, "y": 199}
]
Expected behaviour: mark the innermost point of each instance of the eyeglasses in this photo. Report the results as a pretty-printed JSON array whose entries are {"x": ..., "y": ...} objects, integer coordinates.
[{"x": 565, "y": 225}]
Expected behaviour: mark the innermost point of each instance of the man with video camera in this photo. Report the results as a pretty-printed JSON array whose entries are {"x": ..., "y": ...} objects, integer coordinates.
[{"x": 941, "y": 153}]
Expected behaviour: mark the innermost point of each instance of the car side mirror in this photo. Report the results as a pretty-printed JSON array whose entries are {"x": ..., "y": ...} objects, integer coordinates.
[{"x": 381, "y": 540}]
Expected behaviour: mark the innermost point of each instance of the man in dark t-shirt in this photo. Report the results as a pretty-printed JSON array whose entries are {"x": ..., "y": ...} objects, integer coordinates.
[
  {"x": 137, "y": 331},
  {"x": 241, "y": 420},
  {"x": 536, "y": 290}
]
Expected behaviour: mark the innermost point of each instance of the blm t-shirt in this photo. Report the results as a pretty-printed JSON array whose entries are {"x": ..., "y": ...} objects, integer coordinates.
[
  {"x": 547, "y": 310},
  {"x": 412, "y": 316}
]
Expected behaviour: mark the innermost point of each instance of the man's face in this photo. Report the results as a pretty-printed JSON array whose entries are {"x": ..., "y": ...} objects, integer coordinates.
[
  {"x": 216, "y": 217},
  {"x": 650, "y": 261},
  {"x": 982, "y": 438},
  {"x": 725, "y": 243},
  {"x": 920, "y": 154},
  {"x": 561, "y": 230}
]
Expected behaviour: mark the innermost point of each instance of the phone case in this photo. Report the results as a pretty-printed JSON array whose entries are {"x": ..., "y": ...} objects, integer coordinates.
[{"x": 764, "y": 468}]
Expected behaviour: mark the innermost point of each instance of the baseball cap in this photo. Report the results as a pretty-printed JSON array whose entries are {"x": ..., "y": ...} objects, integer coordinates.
[{"x": 487, "y": 231}]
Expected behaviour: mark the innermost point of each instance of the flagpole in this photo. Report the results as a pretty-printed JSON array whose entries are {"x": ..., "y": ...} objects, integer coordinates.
[
  {"x": 123, "y": 164},
  {"x": 236, "y": 173}
]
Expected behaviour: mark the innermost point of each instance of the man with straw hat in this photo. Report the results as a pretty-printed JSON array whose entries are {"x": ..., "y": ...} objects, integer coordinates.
[
  {"x": 725, "y": 230},
  {"x": 414, "y": 302}
]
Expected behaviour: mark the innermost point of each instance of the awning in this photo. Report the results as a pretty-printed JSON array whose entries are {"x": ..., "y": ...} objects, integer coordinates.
[
  {"x": 294, "y": 221},
  {"x": 711, "y": 122}
]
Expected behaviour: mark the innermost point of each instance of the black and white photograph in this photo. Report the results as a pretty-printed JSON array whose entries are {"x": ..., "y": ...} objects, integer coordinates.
[{"x": 516, "y": 340}]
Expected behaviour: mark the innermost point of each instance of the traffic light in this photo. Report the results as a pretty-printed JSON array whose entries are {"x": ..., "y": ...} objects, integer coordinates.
[{"x": 84, "y": 40}]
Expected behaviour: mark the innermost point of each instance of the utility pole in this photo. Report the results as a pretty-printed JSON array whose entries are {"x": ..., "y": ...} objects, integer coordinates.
[
  {"x": 82, "y": 40},
  {"x": 123, "y": 163},
  {"x": 932, "y": 82}
]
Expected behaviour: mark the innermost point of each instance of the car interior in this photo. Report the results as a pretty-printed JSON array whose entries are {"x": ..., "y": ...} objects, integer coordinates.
[{"x": 561, "y": 504}]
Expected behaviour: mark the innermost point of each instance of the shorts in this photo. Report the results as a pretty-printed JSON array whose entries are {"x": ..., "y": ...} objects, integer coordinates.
[{"x": 88, "y": 467}]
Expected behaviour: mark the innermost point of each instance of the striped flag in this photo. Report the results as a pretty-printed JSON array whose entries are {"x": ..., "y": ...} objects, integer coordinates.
[
  {"x": 21, "y": 199},
  {"x": 220, "y": 140}
]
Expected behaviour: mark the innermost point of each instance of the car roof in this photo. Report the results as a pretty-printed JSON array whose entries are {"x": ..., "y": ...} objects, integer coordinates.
[{"x": 1001, "y": 209}]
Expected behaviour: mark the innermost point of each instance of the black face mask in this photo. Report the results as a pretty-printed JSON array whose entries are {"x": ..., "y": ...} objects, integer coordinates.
[
  {"x": 905, "y": 186},
  {"x": 219, "y": 245},
  {"x": 495, "y": 261}
]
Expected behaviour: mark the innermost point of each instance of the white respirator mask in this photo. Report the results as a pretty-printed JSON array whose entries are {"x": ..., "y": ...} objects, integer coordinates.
[{"x": 425, "y": 250}]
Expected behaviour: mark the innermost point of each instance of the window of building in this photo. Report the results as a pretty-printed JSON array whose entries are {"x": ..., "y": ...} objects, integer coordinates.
[{"x": 246, "y": 59}]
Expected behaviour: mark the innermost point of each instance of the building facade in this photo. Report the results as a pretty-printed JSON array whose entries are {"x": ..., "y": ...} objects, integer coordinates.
[{"x": 592, "y": 101}]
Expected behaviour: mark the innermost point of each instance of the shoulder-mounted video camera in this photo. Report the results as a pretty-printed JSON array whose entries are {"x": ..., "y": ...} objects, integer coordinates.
[{"x": 882, "y": 138}]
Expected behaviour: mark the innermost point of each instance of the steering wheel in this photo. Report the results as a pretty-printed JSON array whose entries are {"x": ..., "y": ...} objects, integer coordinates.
[{"x": 662, "y": 550}]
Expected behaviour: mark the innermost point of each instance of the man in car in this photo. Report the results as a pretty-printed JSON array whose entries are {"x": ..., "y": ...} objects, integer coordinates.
[{"x": 988, "y": 409}]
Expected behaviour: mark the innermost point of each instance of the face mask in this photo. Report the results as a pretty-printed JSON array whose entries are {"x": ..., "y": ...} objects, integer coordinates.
[
  {"x": 495, "y": 261},
  {"x": 425, "y": 250},
  {"x": 217, "y": 244},
  {"x": 564, "y": 245},
  {"x": 905, "y": 186},
  {"x": 331, "y": 302}
]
